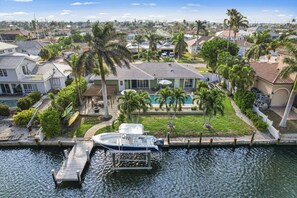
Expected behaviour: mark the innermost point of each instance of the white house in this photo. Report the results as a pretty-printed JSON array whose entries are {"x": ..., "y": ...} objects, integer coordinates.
[
  {"x": 225, "y": 35},
  {"x": 20, "y": 74}
]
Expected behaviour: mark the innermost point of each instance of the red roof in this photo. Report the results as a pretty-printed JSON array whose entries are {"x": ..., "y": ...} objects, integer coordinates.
[{"x": 269, "y": 72}]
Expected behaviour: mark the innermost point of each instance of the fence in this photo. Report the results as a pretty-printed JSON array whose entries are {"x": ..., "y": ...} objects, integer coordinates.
[{"x": 273, "y": 131}]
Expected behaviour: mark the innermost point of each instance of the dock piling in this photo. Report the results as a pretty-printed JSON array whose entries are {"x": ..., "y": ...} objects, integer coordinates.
[
  {"x": 168, "y": 138},
  {"x": 78, "y": 176},
  {"x": 210, "y": 142},
  {"x": 54, "y": 177},
  {"x": 113, "y": 159},
  {"x": 65, "y": 153},
  {"x": 189, "y": 143},
  {"x": 88, "y": 155},
  {"x": 252, "y": 139},
  {"x": 59, "y": 142},
  {"x": 200, "y": 139},
  {"x": 235, "y": 141}
]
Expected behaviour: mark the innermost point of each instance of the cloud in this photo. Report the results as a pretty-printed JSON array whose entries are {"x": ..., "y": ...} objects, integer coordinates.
[
  {"x": 193, "y": 4},
  {"x": 276, "y": 10},
  {"x": 126, "y": 14},
  {"x": 91, "y": 17},
  {"x": 23, "y": 1},
  {"x": 184, "y": 7},
  {"x": 265, "y": 11},
  {"x": 51, "y": 16},
  {"x": 144, "y": 4},
  {"x": 281, "y": 15},
  {"x": 12, "y": 13},
  {"x": 103, "y": 13},
  {"x": 84, "y": 3},
  {"x": 65, "y": 12}
]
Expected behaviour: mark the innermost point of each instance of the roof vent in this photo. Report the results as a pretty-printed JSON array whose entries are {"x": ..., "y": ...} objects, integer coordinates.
[{"x": 169, "y": 64}]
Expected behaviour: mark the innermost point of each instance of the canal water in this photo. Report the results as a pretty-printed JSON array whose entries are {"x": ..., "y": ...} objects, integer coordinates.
[{"x": 217, "y": 172}]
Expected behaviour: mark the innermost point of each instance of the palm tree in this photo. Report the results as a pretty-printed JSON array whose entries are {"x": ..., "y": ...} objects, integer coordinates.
[
  {"x": 106, "y": 48},
  {"x": 163, "y": 97},
  {"x": 238, "y": 22},
  {"x": 45, "y": 54},
  {"x": 179, "y": 97},
  {"x": 180, "y": 44},
  {"x": 144, "y": 101},
  {"x": 200, "y": 25},
  {"x": 230, "y": 22},
  {"x": 149, "y": 55},
  {"x": 260, "y": 45},
  {"x": 77, "y": 65},
  {"x": 138, "y": 39},
  {"x": 211, "y": 102},
  {"x": 128, "y": 103},
  {"x": 153, "y": 40},
  {"x": 241, "y": 77},
  {"x": 285, "y": 72}
]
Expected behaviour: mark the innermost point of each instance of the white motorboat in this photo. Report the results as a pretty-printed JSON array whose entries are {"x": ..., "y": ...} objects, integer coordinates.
[{"x": 129, "y": 137}]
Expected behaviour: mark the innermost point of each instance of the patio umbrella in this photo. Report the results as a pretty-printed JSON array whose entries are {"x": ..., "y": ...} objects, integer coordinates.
[
  {"x": 165, "y": 82},
  {"x": 127, "y": 90}
]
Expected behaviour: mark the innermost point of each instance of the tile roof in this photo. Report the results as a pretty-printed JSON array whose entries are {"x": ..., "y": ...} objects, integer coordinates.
[{"x": 269, "y": 72}]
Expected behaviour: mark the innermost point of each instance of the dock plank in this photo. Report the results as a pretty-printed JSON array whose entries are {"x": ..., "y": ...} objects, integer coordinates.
[{"x": 76, "y": 160}]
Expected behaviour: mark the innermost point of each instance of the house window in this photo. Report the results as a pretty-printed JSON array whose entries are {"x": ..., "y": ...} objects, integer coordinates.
[
  {"x": 10, "y": 50},
  {"x": 143, "y": 83},
  {"x": 55, "y": 83},
  {"x": 25, "y": 69},
  {"x": 188, "y": 83},
  {"x": 3, "y": 72},
  {"x": 30, "y": 87},
  {"x": 5, "y": 88}
]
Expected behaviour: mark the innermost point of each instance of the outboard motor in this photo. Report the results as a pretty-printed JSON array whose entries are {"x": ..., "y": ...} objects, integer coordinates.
[{"x": 159, "y": 142}]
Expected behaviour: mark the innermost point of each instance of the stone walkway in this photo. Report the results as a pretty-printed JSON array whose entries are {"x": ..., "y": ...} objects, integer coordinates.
[{"x": 91, "y": 132}]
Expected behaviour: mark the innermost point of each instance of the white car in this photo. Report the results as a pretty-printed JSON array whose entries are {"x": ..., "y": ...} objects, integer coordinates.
[{"x": 164, "y": 54}]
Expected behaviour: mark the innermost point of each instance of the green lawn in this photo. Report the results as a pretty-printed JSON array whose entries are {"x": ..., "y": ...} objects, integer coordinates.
[
  {"x": 188, "y": 125},
  {"x": 85, "y": 124}
]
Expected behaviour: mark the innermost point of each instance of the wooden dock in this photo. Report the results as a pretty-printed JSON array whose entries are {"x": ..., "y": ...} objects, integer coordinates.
[{"x": 75, "y": 162}]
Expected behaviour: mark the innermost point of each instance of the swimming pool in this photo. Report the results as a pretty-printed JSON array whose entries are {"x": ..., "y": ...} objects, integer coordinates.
[
  {"x": 153, "y": 97},
  {"x": 10, "y": 103}
]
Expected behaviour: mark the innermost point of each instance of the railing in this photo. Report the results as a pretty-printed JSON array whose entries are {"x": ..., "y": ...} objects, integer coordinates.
[{"x": 273, "y": 131}]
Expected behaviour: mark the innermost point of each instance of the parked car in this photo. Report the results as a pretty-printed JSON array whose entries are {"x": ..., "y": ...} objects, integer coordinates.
[{"x": 171, "y": 54}]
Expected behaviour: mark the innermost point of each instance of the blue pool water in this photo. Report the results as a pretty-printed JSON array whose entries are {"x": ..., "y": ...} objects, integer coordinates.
[
  {"x": 188, "y": 101},
  {"x": 10, "y": 103}
]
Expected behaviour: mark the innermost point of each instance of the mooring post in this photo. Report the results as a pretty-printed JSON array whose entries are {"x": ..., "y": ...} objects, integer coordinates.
[
  {"x": 59, "y": 142},
  {"x": 88, "y": 155},
  {"x": 235, "y": 140},
  {"x": 54, "y": 177},
  {"x": 252, "y": 139},
  {"x": 200, "y": 139},
  {"x": 278, "y": 140},
  {"x": 168, "y": 138},
  {"x": 149, "y": 159},
  {"x": 78, "y": 175},
  {"x": 105, "y": 150},
  {"x": 66, "y": 153},
  {"x": 37, "y": 142},
  {"x": 210, "y": 142},
  {"x": 189, "y": 143},
  {"x": 113, "y": 159}
]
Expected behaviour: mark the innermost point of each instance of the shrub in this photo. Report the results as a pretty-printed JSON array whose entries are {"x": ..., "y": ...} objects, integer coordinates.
[
  {"x": 259, "y": 124},
  {"x": 35, "y": 96},
  {"x": 68, "y": 81},
  {"x": 194, "y": 108},
  {"x": 156, "y": 108},
  {"x": 50, "y": 122},
  {"x": 4, "y": 110},
  {"x": 22, "y": 118},
  {"x": 24, "y": 103},
  {"x": 244, "y": 99}
]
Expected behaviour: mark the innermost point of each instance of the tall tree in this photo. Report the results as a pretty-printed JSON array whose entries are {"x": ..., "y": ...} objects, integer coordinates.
[
  {"x": 260, "y": 45},
  {"x": 138, "y": 39},
  {"x": 291, "y": 68},
  {"x": 180, "y": 44},
  {"x": 107, "y": 49},
  {"x": 77, "y": 65},
  {"x": 230, "y": 22},
  {"x": 163, "y": 97},
  {"x": 153, "y": 40},
  {"x": 200, "y": 25},
  {"x": 128, "y": 103},
  {"x": 239, "y": 21}
]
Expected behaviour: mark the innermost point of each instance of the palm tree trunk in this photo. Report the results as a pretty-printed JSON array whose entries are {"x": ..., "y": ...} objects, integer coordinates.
[
  {"x": 283, "y": 122},
  {"x": 197, "y": 39},
  {"x": 204, "y": 114},
  {"x": 229, "y": 38},
  {"x": 138, "y": 51},
  {"x": 235, "y": 37},
  {"x": 78, "y": 90},
  {"x": 104, "y": 94}
]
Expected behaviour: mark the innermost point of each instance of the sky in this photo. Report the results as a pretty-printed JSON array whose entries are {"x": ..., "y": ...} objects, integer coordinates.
[{"x": 256, "y": 11}]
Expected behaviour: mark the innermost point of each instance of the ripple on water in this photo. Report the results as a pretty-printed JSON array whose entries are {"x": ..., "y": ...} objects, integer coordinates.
[{"x": 218, "y": 172}]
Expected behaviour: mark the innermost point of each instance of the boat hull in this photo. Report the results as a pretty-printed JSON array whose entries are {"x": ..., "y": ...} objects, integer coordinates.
[{"x": 129, "y": 148}]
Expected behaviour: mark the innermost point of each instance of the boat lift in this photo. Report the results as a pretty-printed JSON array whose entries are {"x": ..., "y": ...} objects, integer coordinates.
[{"x": 116, "y": 159}]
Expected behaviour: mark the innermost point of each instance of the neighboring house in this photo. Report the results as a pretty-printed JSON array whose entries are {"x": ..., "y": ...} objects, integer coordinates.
[
  {"x": 225, "y": 35},
  {"x": 192, "y": 44},
  {"x": 30, "y": 47},
  {"x": 269, "y": 82},
  {"x": 251, "y": 30},
  {"x": 243, "y": 46},
  {"x": 147, "y": 75},
  {"x": 20, "y": 74},
  {"x": 165, "y": 47},
  {"x": 12, "y": 35}
]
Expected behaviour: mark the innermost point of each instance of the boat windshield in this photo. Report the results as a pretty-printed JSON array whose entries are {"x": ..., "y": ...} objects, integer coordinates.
[{"x": 131, "y": 128}]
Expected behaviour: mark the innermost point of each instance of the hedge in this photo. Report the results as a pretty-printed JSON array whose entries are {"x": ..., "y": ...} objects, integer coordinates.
[
  {"x": 50, "y": 122},
  {"x": 24, "y": 103},
  {"x": 259, "y": 124},
  {"x": 4, "y": 110},
  {"x": 35, "y": 96},
  {"x": 22, "y": 118}
]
